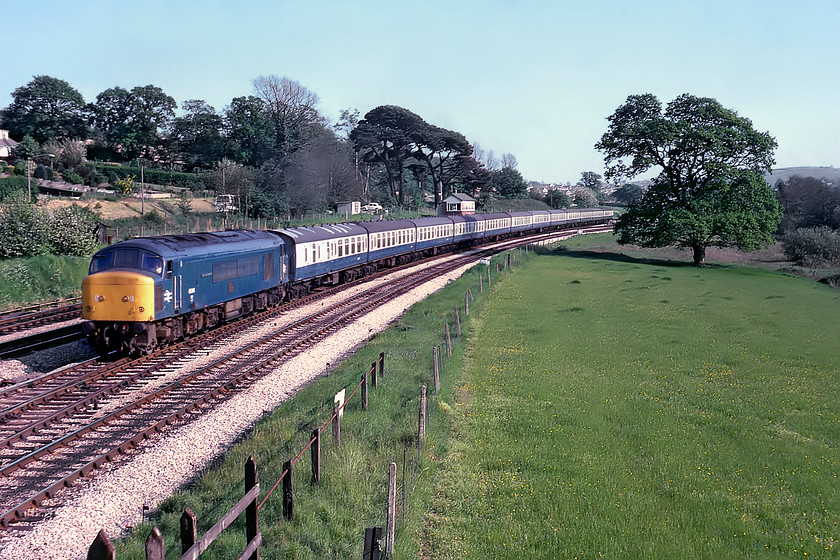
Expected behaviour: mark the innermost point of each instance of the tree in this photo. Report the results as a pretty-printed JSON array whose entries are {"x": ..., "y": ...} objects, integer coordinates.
[
  {"x": 628, "y": 193},
  {"x": 442, "y": 151},
  {"x": 132, "y": 122},
  {"x": 710, "y": 191},
  {"x": 196, "y": 136},
  {"x": 46, "y": 109},
  {"x": 557, "y": 198},
  {"x": 292, "y": 109},
  {"x": 808, "y": 202},
  {"x": 385, "y": 136},
  {"x": 509, "y": 183},
  {"x": 585, "y": 198},
  {"x": 249, "y": 130}
]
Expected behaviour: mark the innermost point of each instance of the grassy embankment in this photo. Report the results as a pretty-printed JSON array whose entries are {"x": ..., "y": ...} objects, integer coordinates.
[
  {"x": 624, "y": 408},
  {"x": 608, "y": 407},
  {"x": 37, "y": 279}
]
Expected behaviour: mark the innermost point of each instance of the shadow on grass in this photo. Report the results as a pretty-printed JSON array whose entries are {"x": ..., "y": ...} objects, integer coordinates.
[{"x": 624, "y": 258}]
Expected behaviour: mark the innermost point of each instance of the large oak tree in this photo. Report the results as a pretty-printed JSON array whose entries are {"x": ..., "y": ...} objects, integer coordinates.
[
  {"x": 710, "y": 191},
  {"x": 45, "y": 109}
]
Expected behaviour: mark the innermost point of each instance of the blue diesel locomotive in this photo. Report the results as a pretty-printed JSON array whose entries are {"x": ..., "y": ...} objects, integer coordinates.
[{"x": 150, "y": 291}]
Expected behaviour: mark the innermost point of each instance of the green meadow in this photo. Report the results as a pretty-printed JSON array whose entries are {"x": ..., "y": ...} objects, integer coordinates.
[{"x": 616, "y": 407}]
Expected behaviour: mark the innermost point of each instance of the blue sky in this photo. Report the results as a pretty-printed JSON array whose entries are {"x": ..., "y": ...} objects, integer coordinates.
[{"x": 533, "y": 78}]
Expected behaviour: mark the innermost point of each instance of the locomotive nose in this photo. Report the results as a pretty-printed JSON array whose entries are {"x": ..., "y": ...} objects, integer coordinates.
[{"x": 115, "y": 295}]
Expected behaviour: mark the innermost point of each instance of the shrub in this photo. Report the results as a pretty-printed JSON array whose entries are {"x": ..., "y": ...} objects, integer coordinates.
[
  {"x": 25, "y": 230},
  {"x": 816, "y": 247},
  {"x": 74, "y": 231},
  {"x": 73, "y": 177},
  {"x": 14, "y": 186}
]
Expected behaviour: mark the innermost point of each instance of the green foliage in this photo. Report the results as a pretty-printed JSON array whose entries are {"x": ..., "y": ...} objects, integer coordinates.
[
  {"x": 74, "y": 178},
  {"x": 46, "y": 108},
  {"x": 628, "y": 194},
  {"x": 710, "y": 191},
  {"x": 185, "y": 202},
  {"x": 11, "y": 187},
  {"x": 509, "y": 183},
  {"x": 816, "y": 247},
  {"x": 154, "y": 217},
  {"x": 557, "y": 198},
  {"x": 28, "y": 148},
  {"x": 190, "y": 181},
  {"x": 74, "y": 231},
  {"x": 25, "y": 229},
  {"x": 28, "y": 230}
]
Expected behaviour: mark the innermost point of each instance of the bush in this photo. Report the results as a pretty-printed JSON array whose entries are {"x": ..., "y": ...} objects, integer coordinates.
[
  {"x": 11, "y": 187},
  {"x": 813, "y": 246},
  {"x": 25, "y": 230},
  {"x": 28, "y": 230},
  {"x": 74, "y": 231},
  {"x": 73, "y": 177}
]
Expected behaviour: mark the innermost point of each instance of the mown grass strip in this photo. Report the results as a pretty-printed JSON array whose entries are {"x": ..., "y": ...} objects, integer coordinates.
[{"x": 624, "y": 408}]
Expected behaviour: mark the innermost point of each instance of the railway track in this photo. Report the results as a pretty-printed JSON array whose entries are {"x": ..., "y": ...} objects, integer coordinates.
[
  {"x": 38, "y": 315},
  {"x": 61, "y": 426}
]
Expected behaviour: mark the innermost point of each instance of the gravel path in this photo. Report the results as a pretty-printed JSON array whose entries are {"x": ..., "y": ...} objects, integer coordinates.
[{"x": 114, "y": 498}]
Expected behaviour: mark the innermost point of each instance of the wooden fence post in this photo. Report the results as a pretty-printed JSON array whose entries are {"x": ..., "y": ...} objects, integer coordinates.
[
  {"x": 364, "y": 392},
  {"x": 489, "y": 282},
  {"x": 373, "y": 374},
  {"x": 392, "y": 510},
  {"x": 480, "y": 282},
  {"x": 154, "y": 545},
  {"x": 316, "y": 456},
  {"x": 448, "y": 341},
  {"x": 189, "y": 530},
  {"x": 288, "y": 492},
  {"x": 382, "y": 364},
  {"x": 421, "y": 428},
  {"x": 467, "y": 303},
  {"x": 336, "y": 428},
  {"x": 437, "y": 371},
  {"x": 251, "y": 511},
  {"x": 101, "y": 547}
]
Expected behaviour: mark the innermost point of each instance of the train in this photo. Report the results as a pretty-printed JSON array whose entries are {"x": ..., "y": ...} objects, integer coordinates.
[{"x": 148, "y": 292}]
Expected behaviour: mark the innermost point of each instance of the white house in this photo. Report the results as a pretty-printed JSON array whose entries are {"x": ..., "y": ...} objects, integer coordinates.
[{"x": 7, "y": 145}]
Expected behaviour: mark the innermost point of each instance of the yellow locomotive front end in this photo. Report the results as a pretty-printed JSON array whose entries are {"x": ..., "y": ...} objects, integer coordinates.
[{"x": 119, "y": 296}]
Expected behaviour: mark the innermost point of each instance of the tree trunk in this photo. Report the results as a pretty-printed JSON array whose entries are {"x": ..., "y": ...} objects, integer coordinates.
[{"x": 699, "y": 255}]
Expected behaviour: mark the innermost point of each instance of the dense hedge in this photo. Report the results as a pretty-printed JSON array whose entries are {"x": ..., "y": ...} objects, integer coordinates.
[
  {"x": 28, "y": 230},
  {"x": 12, "y": 186},
  {"x": 189, "y": 181}
]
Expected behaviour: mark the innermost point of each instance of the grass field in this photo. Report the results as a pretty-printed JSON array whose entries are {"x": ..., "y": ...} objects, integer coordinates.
[{"x": 616, "y": 407}]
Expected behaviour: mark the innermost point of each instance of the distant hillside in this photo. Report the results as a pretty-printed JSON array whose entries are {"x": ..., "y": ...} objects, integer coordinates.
[{"x": 784, "y": 173}]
